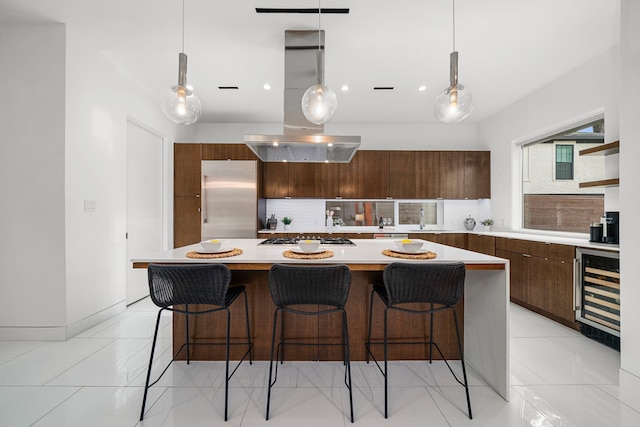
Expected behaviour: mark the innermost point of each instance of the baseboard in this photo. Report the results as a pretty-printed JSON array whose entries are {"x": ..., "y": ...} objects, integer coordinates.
[
  {"x": 59, "y": 333},
  {"x": 629, "y": 391}
]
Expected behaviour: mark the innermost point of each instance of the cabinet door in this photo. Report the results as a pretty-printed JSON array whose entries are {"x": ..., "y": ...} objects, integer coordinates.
[
  {"x": 480, "y": 243},
  {"x": 352, "y": 177},
  {"x": 275, "y": 182},
  {"x": 186, "y": 169},
  {"x": 314, "y": 180},
  {"x": 519, "y": 278},
  {"x": 402, "y": 174},
  {"x": 227, "y": 152},
  {"x": 376, "y": 168},
  {"x": 186, "y": 221},
  {"x": 551, "y": 286},
  {"x": 477, "y": 174},
  {"x": 451, "y": 171},
  {"x": 457, "y": 240},
  {"x": 427, "y": 174}
]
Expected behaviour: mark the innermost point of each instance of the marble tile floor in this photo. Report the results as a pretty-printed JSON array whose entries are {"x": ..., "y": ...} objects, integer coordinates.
[{"x": 558, "y": 378}]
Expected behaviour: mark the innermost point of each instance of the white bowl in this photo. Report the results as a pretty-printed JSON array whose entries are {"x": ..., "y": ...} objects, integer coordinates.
[
  {"x": 212, "y": 245},
  {"x": 408, "y": 245},
  {"x": 309, "y": 245}
]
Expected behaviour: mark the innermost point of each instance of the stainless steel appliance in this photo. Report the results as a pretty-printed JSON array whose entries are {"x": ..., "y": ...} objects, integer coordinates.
[
  {"x": 295, "y": 240},
  {"x": 229, "y": 199},
  {"x": 598, "y": 295}
]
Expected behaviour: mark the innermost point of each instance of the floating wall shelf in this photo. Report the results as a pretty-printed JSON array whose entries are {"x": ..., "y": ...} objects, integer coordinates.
[{"x": 602, "y": 150}]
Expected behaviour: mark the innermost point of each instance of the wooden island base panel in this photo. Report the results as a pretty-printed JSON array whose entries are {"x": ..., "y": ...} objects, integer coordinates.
[{"x": 483, "y": 313}]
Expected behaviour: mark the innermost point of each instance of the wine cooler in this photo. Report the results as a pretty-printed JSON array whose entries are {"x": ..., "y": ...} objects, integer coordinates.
[{"x": 598, "y": 295}]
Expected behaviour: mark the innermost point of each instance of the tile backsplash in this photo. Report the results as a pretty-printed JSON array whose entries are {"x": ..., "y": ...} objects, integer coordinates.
[{"x": 309, "y": 214}]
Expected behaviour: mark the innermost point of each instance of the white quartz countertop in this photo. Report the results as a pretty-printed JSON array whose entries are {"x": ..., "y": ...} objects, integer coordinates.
[
  {"x": 576, "y": 240},
  {"x": 365, "y": 251}
]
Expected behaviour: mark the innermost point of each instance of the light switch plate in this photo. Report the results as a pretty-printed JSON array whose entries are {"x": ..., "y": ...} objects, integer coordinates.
[{"x": 89, "y": 205}]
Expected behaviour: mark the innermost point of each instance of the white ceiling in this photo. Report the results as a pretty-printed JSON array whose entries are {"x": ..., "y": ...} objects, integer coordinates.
[{"x": 508, "y": 49}]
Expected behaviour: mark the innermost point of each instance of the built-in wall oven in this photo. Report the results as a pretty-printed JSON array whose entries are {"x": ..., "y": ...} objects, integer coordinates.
[{"x": 598, "y": 295}]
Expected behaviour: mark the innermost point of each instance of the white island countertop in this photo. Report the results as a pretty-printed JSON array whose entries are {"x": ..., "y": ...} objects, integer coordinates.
[{"x": 365, "y": 251}]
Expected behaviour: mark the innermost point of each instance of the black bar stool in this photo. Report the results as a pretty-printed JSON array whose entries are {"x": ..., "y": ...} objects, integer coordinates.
[
  {"x": 309, "y": 286},
  {"x": 173, "y": 286},
  {"x": 439, "y": 284}
]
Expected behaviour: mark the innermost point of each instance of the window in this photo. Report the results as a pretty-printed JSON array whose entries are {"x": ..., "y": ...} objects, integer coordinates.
[
  {"x": 551, "y": 172},
  {"x": 564, "y": 161}
]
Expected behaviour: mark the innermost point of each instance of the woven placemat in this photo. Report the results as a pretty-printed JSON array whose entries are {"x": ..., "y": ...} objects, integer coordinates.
[
  {"x": 421, "y": 255},
  {"x": 202, "y": 255},
  {"x": 321, "y": 255}
]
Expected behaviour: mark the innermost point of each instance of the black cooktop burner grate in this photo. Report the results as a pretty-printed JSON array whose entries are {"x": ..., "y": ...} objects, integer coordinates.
[{"x": 296, "y": 240}]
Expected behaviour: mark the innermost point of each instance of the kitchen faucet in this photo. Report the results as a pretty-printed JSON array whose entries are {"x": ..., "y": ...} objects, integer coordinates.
[{"x": 421, "y": 219}]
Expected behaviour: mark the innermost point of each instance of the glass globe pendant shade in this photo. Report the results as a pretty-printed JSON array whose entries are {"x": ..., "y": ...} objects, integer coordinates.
[
  {"x": 454, "y": 104},
  {"x": 319, "y": 104},
  {"x": 179, "y": 103}
]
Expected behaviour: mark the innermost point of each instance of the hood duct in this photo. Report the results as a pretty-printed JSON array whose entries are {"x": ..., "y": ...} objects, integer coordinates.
[{"x": 301, "y": 141}]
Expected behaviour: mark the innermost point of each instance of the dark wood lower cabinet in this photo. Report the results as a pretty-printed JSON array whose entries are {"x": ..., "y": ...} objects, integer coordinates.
[
  {"x": 457, "y": 240},
  {"x": 481, "y": 243},
  {"x": 541, "y": 277}
]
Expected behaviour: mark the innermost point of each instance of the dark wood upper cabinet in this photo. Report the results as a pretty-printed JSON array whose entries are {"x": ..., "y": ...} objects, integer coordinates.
[
  {"x": 352, "y": 177},
  {"x": 427, "y": 174},
  {"x": 227, "y": 152},
  {"x": 275, "y": 180},
  {"x": 376, "y": 174},
  {"x": 451, "y": 171},
  {"x": 477, "y": 174},
  {"x": 186, "y": 169},
  {"x": 318, "y": 180},
  {"x": 403, "y": 176}
]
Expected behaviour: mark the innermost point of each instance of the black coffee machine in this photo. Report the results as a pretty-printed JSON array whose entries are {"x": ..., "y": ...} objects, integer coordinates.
[{"x": 610, "y": 227}]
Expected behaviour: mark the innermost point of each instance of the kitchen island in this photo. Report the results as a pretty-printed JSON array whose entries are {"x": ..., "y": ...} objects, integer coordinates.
[{"x": 484, "y": 311}]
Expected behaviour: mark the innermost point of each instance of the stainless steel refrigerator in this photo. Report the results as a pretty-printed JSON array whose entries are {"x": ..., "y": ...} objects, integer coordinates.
[{"x": 229, "y": 199}]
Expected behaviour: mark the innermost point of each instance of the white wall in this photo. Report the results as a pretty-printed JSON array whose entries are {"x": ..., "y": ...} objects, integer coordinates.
[
  {"x": 629, "y": 201},
  {"x": 374, "y": 136},
  {"x": 100, "y": 97},
  {"x": 63, "y": 269},
  {"x": 32, "y": 243},
  {"x": 584, "y": 92}
]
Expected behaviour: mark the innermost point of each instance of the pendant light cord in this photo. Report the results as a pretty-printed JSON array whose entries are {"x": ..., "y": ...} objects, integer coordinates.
[
  {"x": 182, "y": 25},
  {"x": 319, "y": 43},
  {"x": 454, "y": 25}
]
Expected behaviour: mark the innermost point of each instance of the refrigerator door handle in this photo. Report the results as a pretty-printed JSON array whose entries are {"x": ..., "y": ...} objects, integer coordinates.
[{"x": 204, "y": 199}]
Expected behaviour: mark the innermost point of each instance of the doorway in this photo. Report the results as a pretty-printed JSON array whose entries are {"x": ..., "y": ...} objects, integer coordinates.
[{"x": 144, "y": 203}]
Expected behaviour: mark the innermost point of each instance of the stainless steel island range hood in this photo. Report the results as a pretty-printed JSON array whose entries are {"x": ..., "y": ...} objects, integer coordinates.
[{"x": 301, "y": 141}]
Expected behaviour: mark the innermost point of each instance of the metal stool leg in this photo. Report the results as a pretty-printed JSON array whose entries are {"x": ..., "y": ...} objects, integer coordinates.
[
  {"x": 153, "y": 348},
  {"x": 464, "y": 371},
  {"x": 431, "y": 337},
  {"x": 347, "y": 358},
  {"x": 226, "y": 374},
  {"x": 370, "y": 318},
  {"x": 246, "y": 311},
  {"x": 386, "y": 371},
  {"x": 186, "y": 308},
  {"x": 273, "y": 343}
]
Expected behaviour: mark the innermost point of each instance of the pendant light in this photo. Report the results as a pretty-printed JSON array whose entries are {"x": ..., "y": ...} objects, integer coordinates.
[
  {"x": 179, "y": 103},
  {"x": 319, "y": 102},
  {"x": 455, "y": 103}
]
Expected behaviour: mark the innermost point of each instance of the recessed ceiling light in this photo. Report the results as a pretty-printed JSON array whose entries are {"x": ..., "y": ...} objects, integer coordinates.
[
  {"x": 275, "y": 143},
  {"x": 422, "y": 88},
  {"x": 267, "y": 86},
  {"x": 344, "y": 88}
]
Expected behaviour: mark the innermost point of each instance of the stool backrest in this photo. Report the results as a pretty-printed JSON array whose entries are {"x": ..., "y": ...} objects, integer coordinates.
[
  {"x": 188, "y": 284},
  {"x": 306, "y": 284},
  {"x": 438, "y": 283}
]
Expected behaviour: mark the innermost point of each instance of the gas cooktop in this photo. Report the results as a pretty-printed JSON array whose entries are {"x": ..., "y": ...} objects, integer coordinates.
[{"x": 295, "y": 240}]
